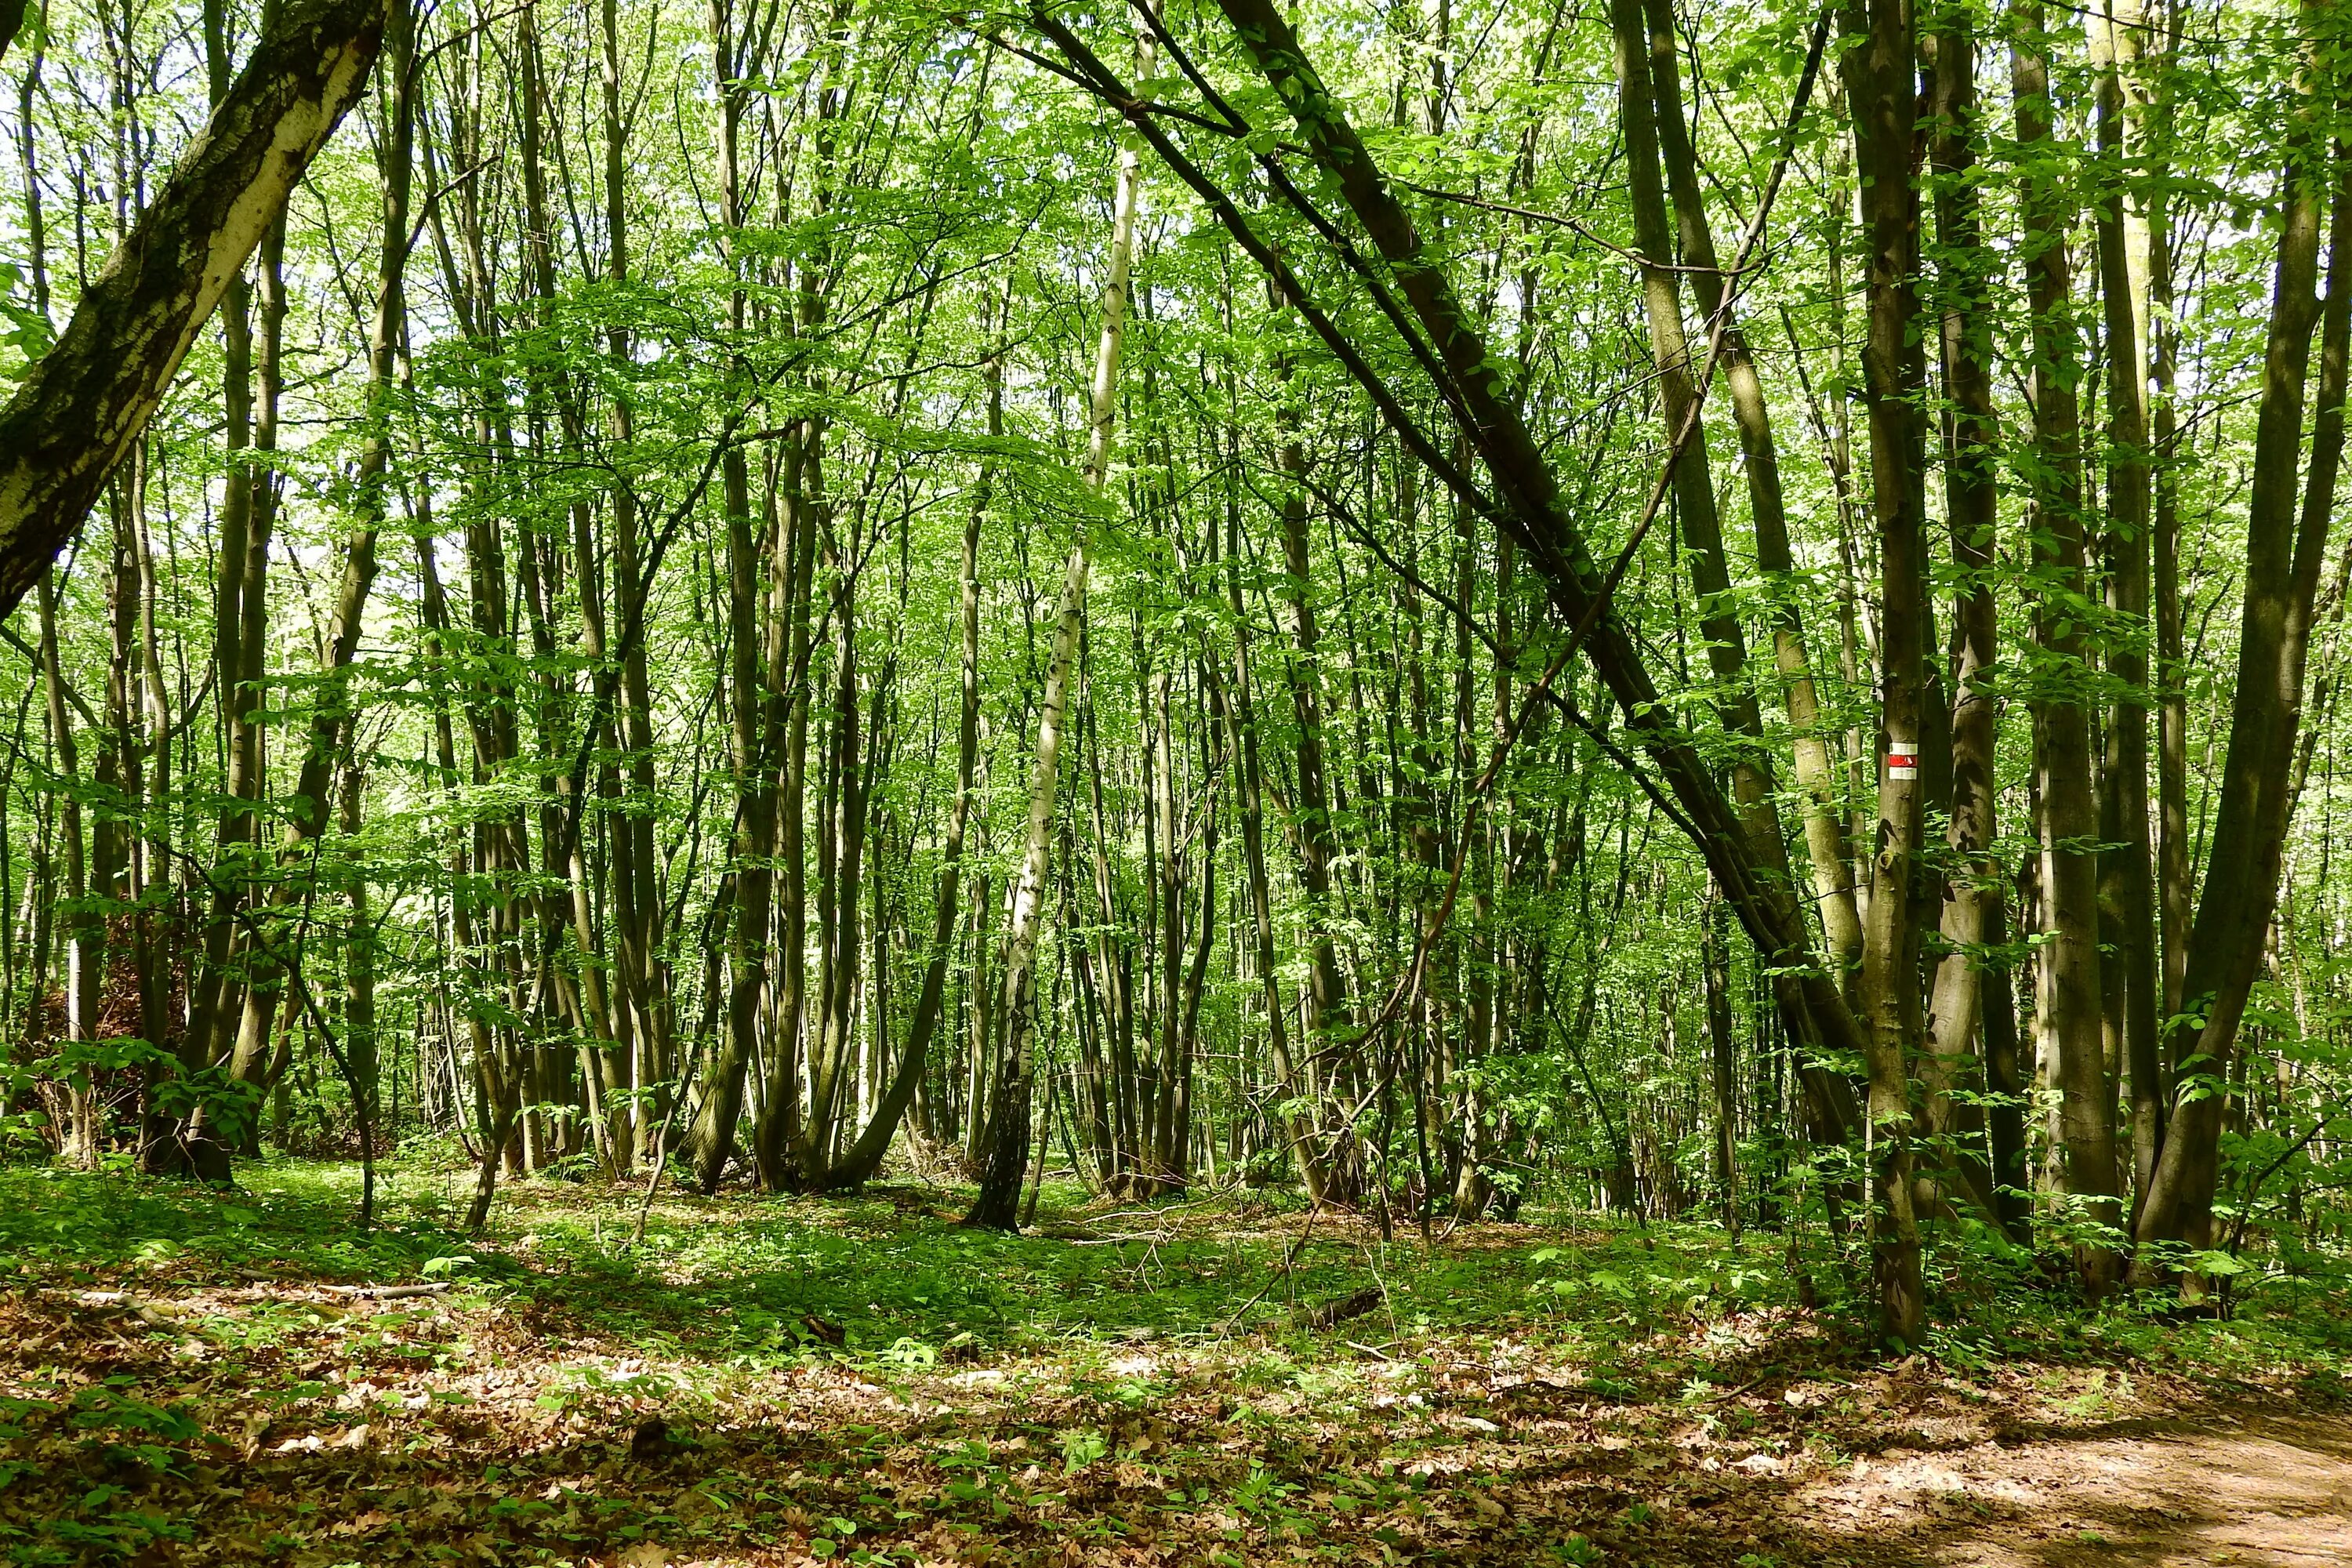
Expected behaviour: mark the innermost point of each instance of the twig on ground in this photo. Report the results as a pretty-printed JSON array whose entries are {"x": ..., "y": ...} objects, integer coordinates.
[{"x": 1289, "y": 1257}]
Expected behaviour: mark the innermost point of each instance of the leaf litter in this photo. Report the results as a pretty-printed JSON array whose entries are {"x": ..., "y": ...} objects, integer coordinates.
[{"x": 791, "y": 1382}]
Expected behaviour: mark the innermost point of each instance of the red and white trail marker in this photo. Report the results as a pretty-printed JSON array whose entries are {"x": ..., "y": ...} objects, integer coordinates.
[{"x": 1902, "y": 764}]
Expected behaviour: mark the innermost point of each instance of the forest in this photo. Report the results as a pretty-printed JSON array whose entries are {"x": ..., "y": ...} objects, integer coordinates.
[{"x": 1438, "y": 781}]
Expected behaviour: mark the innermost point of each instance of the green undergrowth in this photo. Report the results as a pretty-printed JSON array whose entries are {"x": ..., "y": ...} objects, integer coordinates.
[
  {"x": 736, "y": 1280},
  {"x": 173, "y": 1340}
]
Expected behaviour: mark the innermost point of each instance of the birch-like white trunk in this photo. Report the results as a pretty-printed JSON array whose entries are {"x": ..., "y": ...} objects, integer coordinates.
[{"x": 997, "y": 1207}]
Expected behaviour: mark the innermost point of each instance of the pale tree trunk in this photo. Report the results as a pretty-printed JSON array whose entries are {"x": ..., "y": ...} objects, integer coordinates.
[
  {"x": 1817, "y": 779},
  {"x": 85, "y": 401},
  {"x": 246, "y": 1025},
  {"x": 157, "y": 922},
  {"x": 2173, "y": 848},
  {"x": 1650, "y": 100},
  {"x": 1825, "y": 836},
  {"x": 997, "y": 1205}
]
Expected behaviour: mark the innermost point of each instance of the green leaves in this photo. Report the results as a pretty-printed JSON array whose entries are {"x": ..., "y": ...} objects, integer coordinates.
[{"x": 1082, "y": 1446}]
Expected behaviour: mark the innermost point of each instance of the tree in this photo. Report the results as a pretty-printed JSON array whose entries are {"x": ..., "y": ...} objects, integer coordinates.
[{"x": 86, "y": 401}]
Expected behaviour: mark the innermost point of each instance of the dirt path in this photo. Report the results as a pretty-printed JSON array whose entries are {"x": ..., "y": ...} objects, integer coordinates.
[{"x": 2247, "y": 1488}]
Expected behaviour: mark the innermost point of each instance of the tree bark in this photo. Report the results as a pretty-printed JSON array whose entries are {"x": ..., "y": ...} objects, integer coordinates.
[
  {"x": 1825, "y": 836},
  {"x": 86, "y": 401},
  {"x": 2282, "y": 564},
  {"x": 1650, "y": 103},
  {"x": 2069, "y": 823},
  {"x": 2126, "y": 877},
  {"x": 1972, "y": 457},
  {"x": 712, "y": 1137},
  {"x": 997, "y": 1204},
  {"x": 1882, "y": 94}
]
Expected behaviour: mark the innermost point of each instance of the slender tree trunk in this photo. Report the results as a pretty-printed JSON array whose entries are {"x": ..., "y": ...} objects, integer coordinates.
[
  {"x": 713, "y": 1135},
  {"x": 1650, "y": 99},
  {"x": 2175, "y": 891},
  {"x": 362, "y": 1056},
  {"x": 2127, "y": 879},
  {"x": 996, "y": 1206},
  {"x": 1825, "y": 836},
  {"x": 1715, "y": 960},
  {"x": 1297, "y": 1128},
  {"x": 1317, "y": 842}
]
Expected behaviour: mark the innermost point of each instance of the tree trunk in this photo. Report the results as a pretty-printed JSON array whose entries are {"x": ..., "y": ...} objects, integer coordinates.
[
  {"x": 2127, "y": 879},
  {"x": 1650, "y": 103},
  {"x": 1972, "y": 457},
  {"x": 2069, "y": 823},
  {"x": 996, "y": 1208},
  {"x": 2282, "y": 564},
  {"x": 85, "y": 401},
  {"x": 712, "y": 1137},
  {"x": 1881, "y": 91}
]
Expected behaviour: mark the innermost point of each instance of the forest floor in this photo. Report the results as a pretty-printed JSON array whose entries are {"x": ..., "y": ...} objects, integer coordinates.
[{"x": 195, "y": 1378}]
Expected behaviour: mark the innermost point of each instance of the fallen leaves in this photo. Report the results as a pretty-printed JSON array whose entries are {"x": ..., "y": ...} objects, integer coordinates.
[{"x": 399, "y": 1428}]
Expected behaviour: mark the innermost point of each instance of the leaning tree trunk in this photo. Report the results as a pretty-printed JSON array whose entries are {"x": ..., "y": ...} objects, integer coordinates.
[
  {"x": 1825, "y": 836},
  {"x": 1650, "y": 103},
  {"x": 1530, "y": 503},
  {"x": 87, "y": 400}
]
